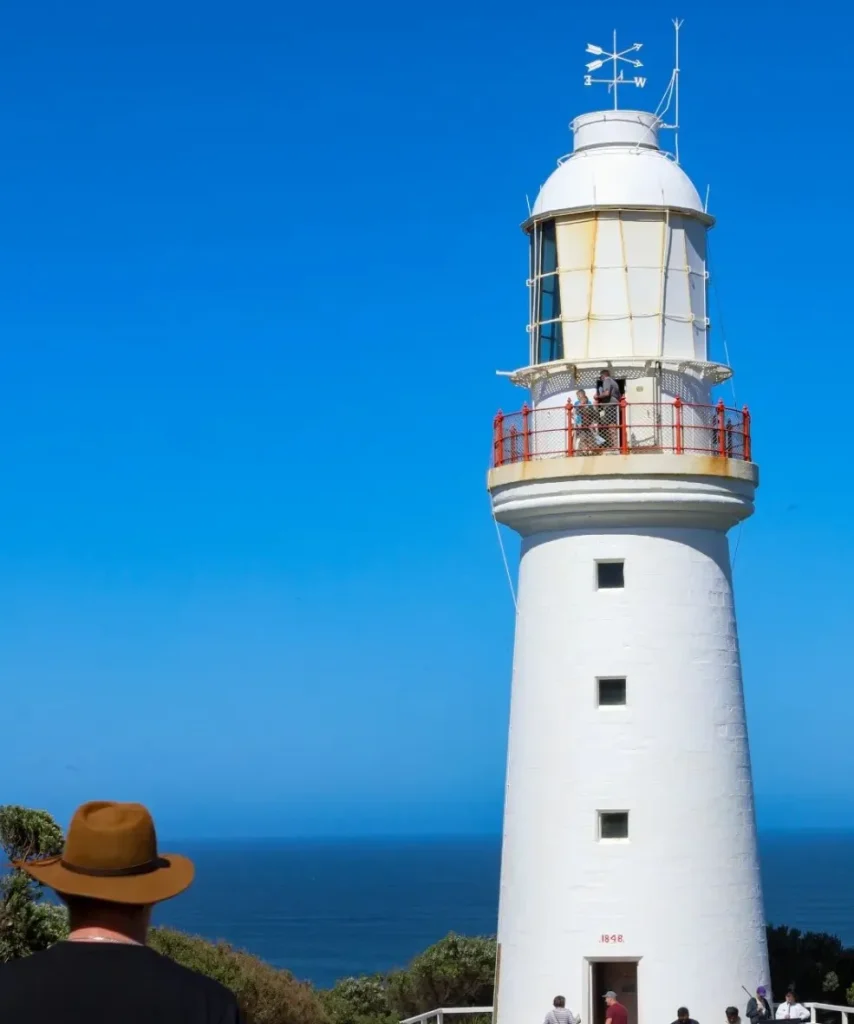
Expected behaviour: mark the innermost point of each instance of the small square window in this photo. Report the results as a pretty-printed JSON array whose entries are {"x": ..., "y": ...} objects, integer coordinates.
[
  {"x": 609, "y": 575},
  {"x": 612, "y": 692},
  {"x": 613, "y": 824}
]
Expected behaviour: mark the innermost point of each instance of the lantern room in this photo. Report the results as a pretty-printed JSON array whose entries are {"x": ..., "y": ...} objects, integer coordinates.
[{"x": 618, "y": 251}]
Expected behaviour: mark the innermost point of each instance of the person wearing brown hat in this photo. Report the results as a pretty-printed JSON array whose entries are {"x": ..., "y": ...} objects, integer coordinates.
[{"x": 109, "y": 876}]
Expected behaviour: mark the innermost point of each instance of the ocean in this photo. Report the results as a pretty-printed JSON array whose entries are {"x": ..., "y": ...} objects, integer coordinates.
[{"x": 334, "y": 909}]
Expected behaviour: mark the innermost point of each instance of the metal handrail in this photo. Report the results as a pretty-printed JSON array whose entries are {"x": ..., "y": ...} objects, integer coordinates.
[
  {"x": 446, "y": 1011},
  {"x": 846, "y": 1011},
  {"x": 625, "y": 428}
]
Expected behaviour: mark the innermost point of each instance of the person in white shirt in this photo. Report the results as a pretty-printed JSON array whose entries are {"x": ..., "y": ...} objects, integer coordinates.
[
  {"x": 559, "y": 1014},
  {"x": 791, "y": 1009}
]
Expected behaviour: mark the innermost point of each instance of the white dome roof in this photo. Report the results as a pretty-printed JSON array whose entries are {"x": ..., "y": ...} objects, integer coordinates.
[{"x": 617, "y": 162}]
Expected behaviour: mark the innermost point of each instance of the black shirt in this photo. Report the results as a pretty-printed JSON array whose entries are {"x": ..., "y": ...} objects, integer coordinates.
[{"x": 109, "y": 983}]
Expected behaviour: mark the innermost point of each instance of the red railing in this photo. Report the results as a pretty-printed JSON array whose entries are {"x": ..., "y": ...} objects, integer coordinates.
[{"x": 626, "y": 428}]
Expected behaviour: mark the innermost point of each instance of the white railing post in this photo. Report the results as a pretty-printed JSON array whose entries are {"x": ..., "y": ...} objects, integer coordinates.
[{"x": 843, "y": 1011}]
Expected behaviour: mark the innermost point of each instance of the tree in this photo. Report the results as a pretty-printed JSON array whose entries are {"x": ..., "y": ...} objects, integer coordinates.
[
  {"x": 815, "y": 962},
  {"x": 27, "y": 924},
  {"x": 830, "y": 983}
]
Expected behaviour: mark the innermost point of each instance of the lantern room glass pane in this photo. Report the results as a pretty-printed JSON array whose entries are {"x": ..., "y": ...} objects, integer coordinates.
[{"x": 549, "y": 334}]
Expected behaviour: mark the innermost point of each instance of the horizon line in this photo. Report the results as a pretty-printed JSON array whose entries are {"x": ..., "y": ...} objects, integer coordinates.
[{"x": 323, "y": 838}]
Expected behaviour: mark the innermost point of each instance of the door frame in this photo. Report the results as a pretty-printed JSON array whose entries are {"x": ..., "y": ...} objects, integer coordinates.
[{"x": 590, "y": 962}]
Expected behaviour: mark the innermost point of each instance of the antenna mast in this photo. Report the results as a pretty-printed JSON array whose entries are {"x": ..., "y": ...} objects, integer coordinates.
[
  {"x": 677, "y": 24},
  {"x": 671, "y": 93}
]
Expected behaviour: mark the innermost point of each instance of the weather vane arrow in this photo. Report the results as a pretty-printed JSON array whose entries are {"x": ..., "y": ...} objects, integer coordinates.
[{"x": 615, "y": 57}]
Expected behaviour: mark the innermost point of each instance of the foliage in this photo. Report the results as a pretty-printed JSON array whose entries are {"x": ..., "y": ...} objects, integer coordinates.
[
  {"x": 809, "y": 961},
  {"x": 849, "y": 995},
  {"x": 27, "y": 924},
  {"x": 362, "y": 1000},
  {"x": 266, "y": 995},
  {"x": 457, "y": 971}
]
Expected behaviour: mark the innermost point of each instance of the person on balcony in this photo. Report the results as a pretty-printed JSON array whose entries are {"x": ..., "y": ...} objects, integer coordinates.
[
  {"x": 608, "y": 397},
  {"x": 587, "y": 423},
  {"x": 791, "y": 1009}
]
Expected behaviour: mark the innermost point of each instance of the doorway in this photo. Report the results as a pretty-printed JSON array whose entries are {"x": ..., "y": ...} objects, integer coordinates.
[{"x": 620, "y": 976}]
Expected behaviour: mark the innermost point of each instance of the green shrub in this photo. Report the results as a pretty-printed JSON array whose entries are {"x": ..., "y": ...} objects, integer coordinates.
[
  {"x": 362, "y": 1000},
  {"x": 456, "y": 971},
  {"x": 266, "y": 995}
]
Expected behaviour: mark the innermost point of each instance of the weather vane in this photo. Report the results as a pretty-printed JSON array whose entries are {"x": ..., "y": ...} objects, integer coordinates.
[{"x": 617, "y": 77}]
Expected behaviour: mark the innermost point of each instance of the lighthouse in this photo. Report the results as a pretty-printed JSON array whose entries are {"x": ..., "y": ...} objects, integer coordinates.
[{"x": 629, "y": 856}]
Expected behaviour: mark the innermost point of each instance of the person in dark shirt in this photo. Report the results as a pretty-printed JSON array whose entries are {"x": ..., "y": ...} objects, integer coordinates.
[
  {"x": 608, "y": 397},
  {"x": 683, "y": 1016},
  {"x": 109, "y": 876},
  {"x": 615, "y": 1012},
  {"x": 758, "y": 1007}
]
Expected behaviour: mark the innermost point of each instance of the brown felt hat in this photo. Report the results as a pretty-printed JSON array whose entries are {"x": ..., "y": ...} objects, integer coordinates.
[{"x": 111, "y": 854}]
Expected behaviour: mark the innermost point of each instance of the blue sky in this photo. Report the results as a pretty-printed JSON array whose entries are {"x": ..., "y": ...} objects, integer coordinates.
[{"x": 258, "y": 266}]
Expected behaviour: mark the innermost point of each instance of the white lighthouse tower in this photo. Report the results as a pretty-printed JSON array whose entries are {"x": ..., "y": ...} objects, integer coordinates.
[{"x": 629, "y": 855}]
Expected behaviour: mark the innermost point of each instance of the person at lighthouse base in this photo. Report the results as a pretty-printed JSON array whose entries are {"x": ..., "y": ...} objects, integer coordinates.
[
  {"x": 615, "y": 1013},
  {"x": 791, "y": 1009},
  {"x": 758, "y": 1007},
  {"x": 560, "y": 1013},
  {"x": 683, "y": 1016}
]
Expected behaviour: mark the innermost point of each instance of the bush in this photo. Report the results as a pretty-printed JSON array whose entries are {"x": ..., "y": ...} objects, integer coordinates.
[
  {"x": 362, "y": 1000},
  {"x": 456, "y": 971},
  {"x": 266, "y": 995}
]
